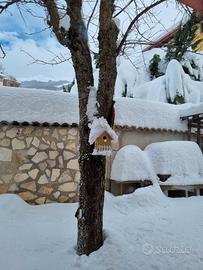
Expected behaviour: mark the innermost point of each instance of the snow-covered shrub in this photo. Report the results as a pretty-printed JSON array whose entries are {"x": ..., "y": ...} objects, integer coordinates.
[
  {"x": 183, "y": 40},
  {"x": 154, "y": 67}
]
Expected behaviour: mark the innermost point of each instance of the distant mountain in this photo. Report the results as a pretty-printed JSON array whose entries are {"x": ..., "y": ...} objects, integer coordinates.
[{"x": 49, "y": 85}]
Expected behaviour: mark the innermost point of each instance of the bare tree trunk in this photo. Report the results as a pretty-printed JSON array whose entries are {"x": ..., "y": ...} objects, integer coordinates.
[
  {"x": 90, "y": 226},
  {"x": 108, "y": 35},
  {"x": 92, "y": 168}
]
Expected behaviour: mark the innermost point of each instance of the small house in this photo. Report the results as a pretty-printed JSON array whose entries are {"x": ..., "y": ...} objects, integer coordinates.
[
  {"x": 8, "y": 81},
  {"x": 167, "y": 37}
]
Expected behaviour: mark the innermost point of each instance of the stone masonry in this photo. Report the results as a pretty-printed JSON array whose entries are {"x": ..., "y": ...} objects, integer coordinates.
[{"x": 39, "y": 163}]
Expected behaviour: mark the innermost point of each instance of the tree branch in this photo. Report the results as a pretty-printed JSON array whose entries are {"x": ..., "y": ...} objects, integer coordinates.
[
  {"x": 93, "y": 10},
  {"x": 3, "y": 52},
  {"x": 57, "y": 60},
  {"x": 134, "y": 21},
  {"x": 54, "y": 20},
  {"x": 123, "y": 8},
  {"x": 6, "y": 4}
]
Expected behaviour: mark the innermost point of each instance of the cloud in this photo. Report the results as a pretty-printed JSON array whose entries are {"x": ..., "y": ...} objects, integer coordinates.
[
  {"x": 18, "y": 63},
  {"x": 14, "y": 35}
]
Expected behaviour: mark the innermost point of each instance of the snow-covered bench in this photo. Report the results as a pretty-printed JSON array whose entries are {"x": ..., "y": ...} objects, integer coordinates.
[
  {"x": 131, "y": 169},
  {"x": 179, "y": 165}
]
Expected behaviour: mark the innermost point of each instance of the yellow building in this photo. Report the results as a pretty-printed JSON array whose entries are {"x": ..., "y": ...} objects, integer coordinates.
[{"x": 199, "y": 37}]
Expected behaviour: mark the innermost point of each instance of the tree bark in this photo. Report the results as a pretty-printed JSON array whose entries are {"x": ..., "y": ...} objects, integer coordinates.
[
  {"x": 108, "y": 35},
  {"x": 92, "y": 168}
]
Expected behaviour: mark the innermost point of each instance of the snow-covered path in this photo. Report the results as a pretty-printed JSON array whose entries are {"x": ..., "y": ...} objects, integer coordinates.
[{"x": 144, "y": 231}]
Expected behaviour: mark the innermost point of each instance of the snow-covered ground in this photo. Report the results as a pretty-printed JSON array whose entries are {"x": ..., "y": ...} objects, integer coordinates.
[{"x": 144, "y": 231}]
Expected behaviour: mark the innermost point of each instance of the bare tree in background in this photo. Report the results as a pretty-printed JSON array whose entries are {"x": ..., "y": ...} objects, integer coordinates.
[
  {"x": 92, "y": 168},
  {"x": 3, "y": 54}
]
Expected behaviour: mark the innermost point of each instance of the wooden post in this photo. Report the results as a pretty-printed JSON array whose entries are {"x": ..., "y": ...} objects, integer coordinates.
[
  {"x": 121, "y": 188},
  {"x": 189, "y": 130},
  {"x": 166, "y": 192},
  {"x": 198, "y": 133}
]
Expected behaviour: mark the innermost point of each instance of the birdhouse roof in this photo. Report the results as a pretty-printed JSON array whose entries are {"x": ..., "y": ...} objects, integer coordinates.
[{"x": 98, "y": 127}]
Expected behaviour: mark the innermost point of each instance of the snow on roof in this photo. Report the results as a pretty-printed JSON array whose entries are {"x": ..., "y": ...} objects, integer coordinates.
[
  {"x": 34, "y": 105},
  {"x": 139, "y": 113},
  {"x": 163, "y": 38},
  {"x": 2, "y": 75},
  {"x": 99, "y": 126},
  {"x": 192, "y": 110},
  {"x": 131, "y": 163},
  {"x": 181, "y": 159}
]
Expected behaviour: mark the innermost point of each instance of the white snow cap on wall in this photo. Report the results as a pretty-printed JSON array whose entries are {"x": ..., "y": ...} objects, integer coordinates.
[
  {"x": 192, "y": 110},
  {"x": 34, "y": 105},
  {"x": 131, "y": 163},
  {"x": 139, "y": 113},
  {"x": 181, "y": 159}
]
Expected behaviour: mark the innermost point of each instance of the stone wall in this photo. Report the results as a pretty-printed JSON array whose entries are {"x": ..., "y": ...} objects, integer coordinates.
[{"x": 39, "y": 163}]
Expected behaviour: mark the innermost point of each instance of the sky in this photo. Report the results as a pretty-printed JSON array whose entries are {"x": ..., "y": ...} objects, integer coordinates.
[{"x": 28, "y": 36}]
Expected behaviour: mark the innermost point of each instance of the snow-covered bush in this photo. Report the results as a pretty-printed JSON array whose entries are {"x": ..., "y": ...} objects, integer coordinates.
[
  {"x": 154, "y": 67},
  {"x": 174, "y": 87}
]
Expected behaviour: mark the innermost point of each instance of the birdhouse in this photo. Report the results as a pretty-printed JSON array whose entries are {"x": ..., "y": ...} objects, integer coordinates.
[
  {"x": 102, "y": 135},
  {"x": 103, "y": 142}
]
